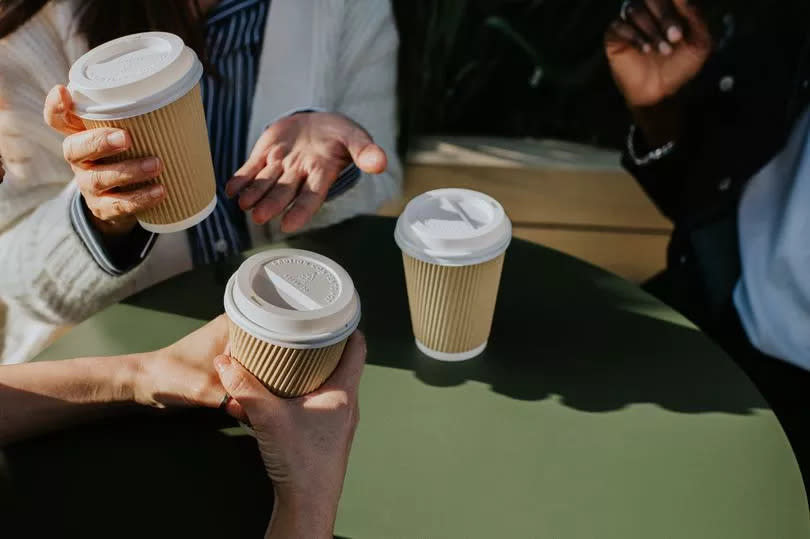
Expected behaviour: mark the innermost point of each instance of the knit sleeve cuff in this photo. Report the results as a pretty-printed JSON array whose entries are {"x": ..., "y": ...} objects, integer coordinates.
[{"x": 114, "y": 260}]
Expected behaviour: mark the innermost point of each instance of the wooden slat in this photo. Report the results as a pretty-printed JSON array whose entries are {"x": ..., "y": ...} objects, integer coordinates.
[
  {"x": 636, "y": 257},
  {"x": 609, "y": 198},
  {"x": 511, "y": 153}
]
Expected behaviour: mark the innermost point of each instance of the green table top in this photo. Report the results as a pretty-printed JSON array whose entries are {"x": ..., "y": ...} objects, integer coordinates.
[{"x": 596, "y": 411}]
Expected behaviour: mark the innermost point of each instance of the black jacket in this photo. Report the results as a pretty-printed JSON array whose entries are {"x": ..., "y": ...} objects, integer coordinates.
[{"x": 740, "y": 112}]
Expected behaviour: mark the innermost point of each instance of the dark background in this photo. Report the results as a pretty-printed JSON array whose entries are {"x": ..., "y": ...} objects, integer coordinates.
[{"x": 519, "y": 68}]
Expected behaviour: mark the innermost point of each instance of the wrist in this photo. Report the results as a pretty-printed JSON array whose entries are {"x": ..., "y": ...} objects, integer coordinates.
[
  {"x": 134, "y": 382},
  {"x": 114, "y": 379},
  {"x": 110, "y": 230},
  {"x": 659, "y": 124},
  {"x": 300, "y": 515},
  {"x": 113, "y": 231}
]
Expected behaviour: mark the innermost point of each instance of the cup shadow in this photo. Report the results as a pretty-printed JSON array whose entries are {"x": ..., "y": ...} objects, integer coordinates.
[{"x": 562, "y": 328}]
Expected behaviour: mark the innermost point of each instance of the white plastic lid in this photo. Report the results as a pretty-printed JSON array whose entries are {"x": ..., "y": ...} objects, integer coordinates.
[
  {"x": 293, "y": 298},
  {"x": 453, "y": 227},
  {"x": 132, "y": 75}
]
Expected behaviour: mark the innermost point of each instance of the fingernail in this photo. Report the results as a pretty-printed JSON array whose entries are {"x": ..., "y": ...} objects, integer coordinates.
[
  {"x": 646, "y": 48},
  {"x": 674, "y": 34},
  {"x": 150, "y": 164},
  {"x": 117, "y": 139},
  {"x": 665, "y": 48},
  {"x": 156, "y": 191},
  {"x": 221, "y": 363},
  {"x": 370, "y": 158}
]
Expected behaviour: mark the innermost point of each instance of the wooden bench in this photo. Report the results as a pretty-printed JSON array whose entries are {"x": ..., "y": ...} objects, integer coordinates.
[{"x": 571, "y": 197}]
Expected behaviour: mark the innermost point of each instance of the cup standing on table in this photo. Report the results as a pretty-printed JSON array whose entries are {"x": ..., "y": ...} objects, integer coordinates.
[
  {"x": 453, "y": 244},
  {"x": 149, "y": 85}
]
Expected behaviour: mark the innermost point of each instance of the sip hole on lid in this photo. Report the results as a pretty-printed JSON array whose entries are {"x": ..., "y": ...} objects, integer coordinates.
[
  {"x": 133, "y": 75},
  {"x": 454, "y": 227},
  {"x": 294, "y": 298}
]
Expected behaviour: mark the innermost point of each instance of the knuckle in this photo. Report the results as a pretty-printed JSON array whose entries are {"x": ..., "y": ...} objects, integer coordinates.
[
  {"x": 122, "y": 207},
  {"x": 97, "y": 142},
  {"x": 97, "y": 211},
  {"x": 199, "y": 390},
  {"x": 284, "y": 123},
  {"x": 239, "y": 384},
  {"x": 117, "y": 207},
  {"x": 246, "y": 200},
  {"x": 275, "y": 153},
  {"x": 314, "y": 165},
  {"x": 291, "y": 161},
  {"x": 276, "y": 170},
  {"x": 143, "y": 199},
  {"x": 68, "y": 148},
  {"x": 96, "y": 181}
]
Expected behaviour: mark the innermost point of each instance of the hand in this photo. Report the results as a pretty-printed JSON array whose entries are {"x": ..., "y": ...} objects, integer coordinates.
[
  {"x": 304, "y": 442},
  {"x": 183, "y": 374},
  {"x": 114, "y": 192},
  {"x": 661, "y": 47},
  {"x": 295, "y": 162}
]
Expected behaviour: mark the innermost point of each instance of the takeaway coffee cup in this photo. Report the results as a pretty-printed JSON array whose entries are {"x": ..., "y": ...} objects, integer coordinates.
[
  {"x": 149, "y": 85},
  {"x": 453, "y": 243},
  {"x": 290, "y": 313}
]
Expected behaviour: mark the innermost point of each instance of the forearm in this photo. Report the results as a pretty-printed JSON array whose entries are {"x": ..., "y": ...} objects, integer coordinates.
[{"x": 42, "y": 396}]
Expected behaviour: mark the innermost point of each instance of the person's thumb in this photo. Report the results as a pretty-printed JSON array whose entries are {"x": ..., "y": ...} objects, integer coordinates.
[
  {"x": 58, "y": 112},
  {"x": 244, "y": 388},
  {"x": 368, "y": 157}
]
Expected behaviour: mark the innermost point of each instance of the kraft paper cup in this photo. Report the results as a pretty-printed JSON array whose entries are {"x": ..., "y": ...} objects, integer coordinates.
[
  {"x": 453, "y": 245},
  {"x": 148, "y": 84},
  {"x": 290, "y": 312}
]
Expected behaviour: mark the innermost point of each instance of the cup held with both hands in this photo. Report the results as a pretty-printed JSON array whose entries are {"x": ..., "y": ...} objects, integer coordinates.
[{"x": 304, "y": 442}]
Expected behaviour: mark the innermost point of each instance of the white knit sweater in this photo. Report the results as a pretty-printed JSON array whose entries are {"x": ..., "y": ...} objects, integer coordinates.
[{"x": 339, "y": 55}]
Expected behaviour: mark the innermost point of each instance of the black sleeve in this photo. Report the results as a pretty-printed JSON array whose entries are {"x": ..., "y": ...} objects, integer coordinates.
[
  {"x": 662, "y": 179},
  {"x": 114, "y": 258}
]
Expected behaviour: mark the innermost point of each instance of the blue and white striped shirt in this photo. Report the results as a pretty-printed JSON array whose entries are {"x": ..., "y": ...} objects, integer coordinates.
[{"x": 234, "y": 36}]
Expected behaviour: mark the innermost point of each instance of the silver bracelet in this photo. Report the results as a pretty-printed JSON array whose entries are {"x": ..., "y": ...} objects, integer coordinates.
[{"x": 655, "y": 155}]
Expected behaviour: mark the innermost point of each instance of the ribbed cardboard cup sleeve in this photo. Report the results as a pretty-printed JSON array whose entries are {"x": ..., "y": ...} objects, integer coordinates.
[
  {"x": 178, "y": 135},
  {"x": 287, "y": 372},
  {"x": 452, "y": 306}
]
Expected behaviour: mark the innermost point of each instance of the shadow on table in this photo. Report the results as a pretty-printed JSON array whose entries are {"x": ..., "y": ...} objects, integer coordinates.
[
  {"x": 161, "y": 474},
  {"x": 561, "y": 328},
  {"x": 199, "y": 292}
]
